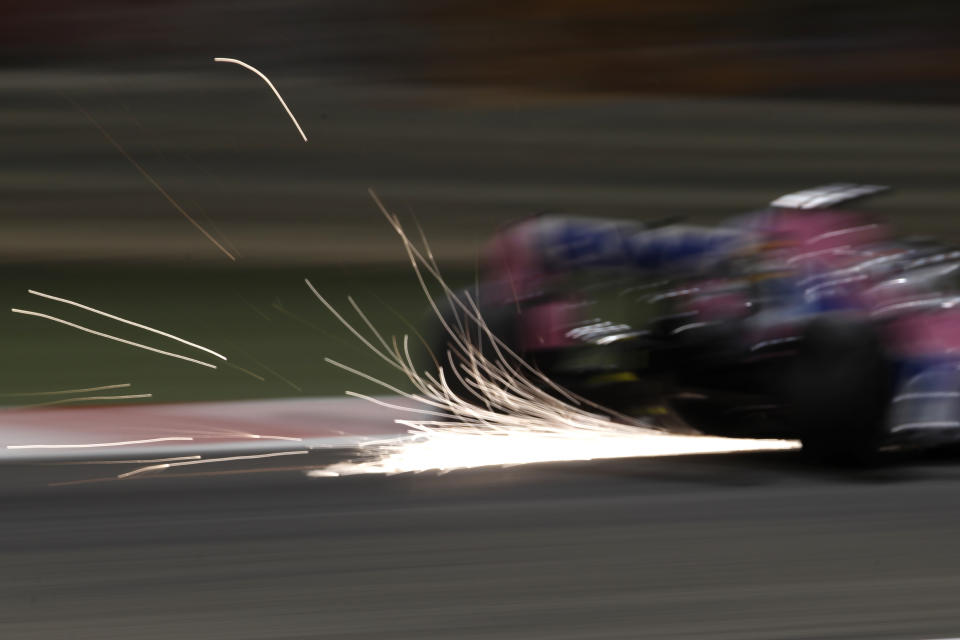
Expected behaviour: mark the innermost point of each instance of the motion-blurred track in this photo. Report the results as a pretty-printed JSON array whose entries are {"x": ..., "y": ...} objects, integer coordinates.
[{"x": 738, "y": 546}]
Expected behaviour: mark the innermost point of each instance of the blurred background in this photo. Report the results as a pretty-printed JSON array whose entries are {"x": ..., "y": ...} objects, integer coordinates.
[{"x": 461, "y": 115}]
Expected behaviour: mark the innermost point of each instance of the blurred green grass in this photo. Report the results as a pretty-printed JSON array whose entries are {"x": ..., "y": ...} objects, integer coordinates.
[{"x": 264, "y": 319}]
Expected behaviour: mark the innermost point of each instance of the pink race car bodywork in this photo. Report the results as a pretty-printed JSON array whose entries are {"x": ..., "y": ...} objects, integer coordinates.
[{"x": 755, "y": 286}]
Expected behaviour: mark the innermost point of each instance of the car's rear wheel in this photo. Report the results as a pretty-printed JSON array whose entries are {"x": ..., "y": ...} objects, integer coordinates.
[{"x": 838, "y": 390}]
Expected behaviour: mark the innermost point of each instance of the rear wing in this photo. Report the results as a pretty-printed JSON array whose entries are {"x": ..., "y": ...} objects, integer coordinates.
[{"x": 828, "y": 195}]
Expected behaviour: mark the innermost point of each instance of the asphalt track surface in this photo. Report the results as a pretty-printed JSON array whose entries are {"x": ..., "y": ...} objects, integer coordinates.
[{"x": 736, "y": 546}]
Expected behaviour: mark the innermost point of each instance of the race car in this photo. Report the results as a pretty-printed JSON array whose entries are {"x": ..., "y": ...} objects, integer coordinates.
[{"x": 799, "y": 321}]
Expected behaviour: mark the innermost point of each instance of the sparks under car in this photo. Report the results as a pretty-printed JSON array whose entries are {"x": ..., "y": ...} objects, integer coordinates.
[{"x": 803, "y": 320}]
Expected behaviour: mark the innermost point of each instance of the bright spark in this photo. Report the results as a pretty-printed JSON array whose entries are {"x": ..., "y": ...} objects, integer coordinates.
[
  {"x": 65, "y": 391},
  {"x": 256, "y": 436},
  {"x": 156, "y": 185},
  {"x": 452, "y": 447},
  {"x": 247, "y": 371},
  {"x": 161, "y": 467},
  {"x": 269, "y": 84},
  {"x": 115, "y": 338},
  {"x": 144, "y": 461},
  {"x": 125, "y": 321},
  {"x": 283, "y": 379},
  {"x": 523, "y": 416},
  {"x": 266, "y": 368},
  {"x": 133, "y": 396},
  {"x": 94, "y": 445}
]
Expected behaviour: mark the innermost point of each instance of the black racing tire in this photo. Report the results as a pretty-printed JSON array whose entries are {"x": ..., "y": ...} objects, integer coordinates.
[{"x": 838, "y": 390}]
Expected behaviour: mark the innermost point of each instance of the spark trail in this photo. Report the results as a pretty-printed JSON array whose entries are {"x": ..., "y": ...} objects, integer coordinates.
[
  {"x": 59, "y": 392},
  {"x": 125, "y": 321},
  {"x": 51, "y": 403},
  {"x": 269, "y": 84},
  {"x": 156, "y": 185},
  {"x": 114, "y": 338},
  {"x": 522, "y": 417}
]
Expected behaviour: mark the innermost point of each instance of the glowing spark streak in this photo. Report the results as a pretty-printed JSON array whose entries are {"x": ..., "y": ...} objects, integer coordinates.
[
  {"x": 125, "y": 321},
  {"x": 269, "y": 84},
  {"x": 214, "y": 433},
  {"x": 357, "y": 372},
  {"x": 271, "y": 371},
  {"x": 463, "y": 350},
  {"x": 99, "y": 444},
  {"x": 352, "y": 330},
  {"x": 395, "y": 407},
  {"x": 283, "y": 379},
  {"x": 196, "y": 474},
  {"x": 156, "y": 185},
  {"x": 161, "y": 467},
  {"x": 246, "y": 371},
  {"x": 110, "y": 337},
  {"x": 145, "y": 461},
  {"x": 523, "y": 416},
  {"x": 84, "y": 481},
  {"x": 134, "y": 396},
  {"x": 64, "y": 391},
  {"x": 255, "y": 309},
  {"x": 456, "y": 447}
]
